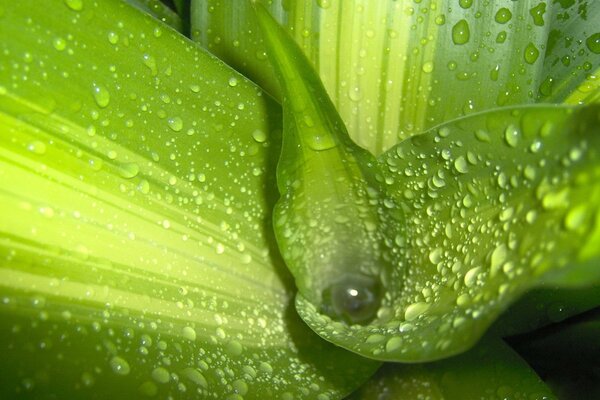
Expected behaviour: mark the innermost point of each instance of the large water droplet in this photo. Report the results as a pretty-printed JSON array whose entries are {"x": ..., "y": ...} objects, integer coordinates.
[
  {"x": 531, "y": 53},
  {"x": 503, "y": 15},
  {"x": 119, "y": 365},
  {"x": 593, "y": 43},
  {"x": 76, "y": 5},
  {"x": 354, "y": 298},
  {"x": 460, "y": 32},
  {"x": 101, "y": 95}
]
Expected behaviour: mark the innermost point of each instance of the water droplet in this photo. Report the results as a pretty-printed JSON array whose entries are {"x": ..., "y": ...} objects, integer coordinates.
[
  {"x": 76, "y": 5},
  {"x": 119, "y": 366},
  {"x": 461, "y": 165},
  {"x": 150, "y": 62},
  {"x": 593, "y": 43},
  {"x": 189, "y": 333},
  {"x": 471, "y": 276},
  {"x": 415, "y": 310},
  {"x": 234, "y": 348},
  {"x": 101, "y": 95},
  {"x": 503, "y": 15},
  {"x": 240, "y": 387},
  {"x": 148, "y": 389},
  {"x": 160, "y": 375},
  {"x": 427, "y": 67},
  {"x": 354, "y": 298},
  {"x": 537, "y": 14},
  {"x": 195, "y": 376},
  {"x": 129, "y": 170},
  {"x": 175, "y": 123},
  {"x": 393, "y": 344},
  {"x": 59, "y": 43},
  {"x": 37, "y": 147},
  {"x": 113, "y": 38},
  {"x": 465, "y": 3},
  {"x": 531, "y": 53},
  {"x": 511, "y": 135},
  {"x": 232, "y": 82},
  {"x": 259, "y": 135},
  {"x": 576, "y": 217},
  {"x": 460, "y": 32},
  {"x": 498, "y": 257}
]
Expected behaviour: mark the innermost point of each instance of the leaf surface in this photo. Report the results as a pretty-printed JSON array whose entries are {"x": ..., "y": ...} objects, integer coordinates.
[
  {"x": 495, "y": 204},
  {"x": 136, "y": 188},
  {"x": 395, "y": 68}
]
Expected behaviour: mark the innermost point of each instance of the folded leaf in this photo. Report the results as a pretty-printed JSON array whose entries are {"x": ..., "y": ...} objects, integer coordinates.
[
  {"x": 136, "y": 176},
  {"x": 495, "y": 204},
  {"x": 491, "y": 370},
  {"x": 395, "y": 68}
]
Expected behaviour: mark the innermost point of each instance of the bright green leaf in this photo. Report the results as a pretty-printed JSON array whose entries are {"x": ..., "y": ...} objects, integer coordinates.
[
  {"x": 155, "y": 8},
  {"x": 495, "y": 204},
  {"x": 136, "y": 175},
  {"x": 395, "y": 68},
  {"x": 492, "y": 370}
]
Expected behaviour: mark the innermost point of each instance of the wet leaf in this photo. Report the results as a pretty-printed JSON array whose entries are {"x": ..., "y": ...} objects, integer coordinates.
[
  {"x": 398, "y": 67},
  {"x": 494, "y": 204},
  {"x": 491, "y": 370},
  {"x": 137, "y": 185}
]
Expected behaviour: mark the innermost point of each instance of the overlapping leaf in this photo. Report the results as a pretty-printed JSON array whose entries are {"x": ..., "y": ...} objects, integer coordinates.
[
  {"x": 136, "y": 187},
  {"x": 494, "y": 204},
  {"x": 396, "y": 68}
]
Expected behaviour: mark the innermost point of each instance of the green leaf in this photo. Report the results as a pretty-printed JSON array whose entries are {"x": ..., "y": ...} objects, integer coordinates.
[
  {"x": 396, "y": 68},
  {"x": 489, "y": 371},
  {"x": 495, "y": 204},
  {"x": 136, "y": 176}
]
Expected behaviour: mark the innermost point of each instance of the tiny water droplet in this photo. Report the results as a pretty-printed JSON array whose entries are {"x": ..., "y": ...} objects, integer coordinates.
[
  {"x": 232, "y": 82},
  {"x": 460, "y": 32},
  {"x": 101, "y": 95},
  {"x": 150, "y": 62},
  {"x": 325, "y": 4}
]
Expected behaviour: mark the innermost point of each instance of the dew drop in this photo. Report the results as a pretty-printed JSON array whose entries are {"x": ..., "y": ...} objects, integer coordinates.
[
  {"x": 460, "y": 32},
  {"x": 461, "y": 165},
  {"x": 195, "y": 376},
  {"x": 101, "y": 95},
  {"x": 175, "y": 123},
  {"x": 119, "y": 366},
  {"x": 576, "y": 217},
  {"x": 113, "y": 38},
  {"x": 393, "y": 344},
  {"x": 150, "y": 62},
  {"x": 531, "y": 53},
  {"x": 240, "y": 387},
  {"x": 465, "y": 3},
  {"x": 325, "y": 4},
  {"x": 593, "y": 43},
  {"x": 189, "y": 333},
  {"x": 233, "y": 82},
  {"x": 160, "y": 375},
  {"x": 537, "y": 14},
  {"x": 37, "y": 147},
  {"x": 59, "y": 43},
  {"x": 503, "y": 15},
  {"x": 129, "y": 170},
  {"x": 415, "y": 310},
  {"x": 259, "y": 136},
  {"x": 471, "y": 276},
  {"x": 511, "y": 135},
  {"x": 354, "y": 298}
]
